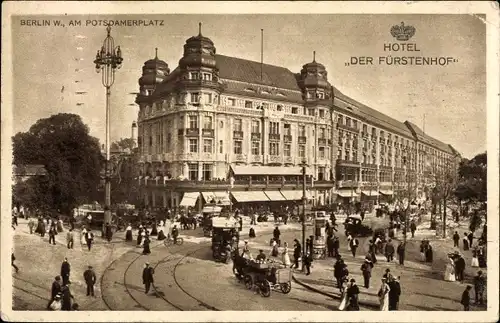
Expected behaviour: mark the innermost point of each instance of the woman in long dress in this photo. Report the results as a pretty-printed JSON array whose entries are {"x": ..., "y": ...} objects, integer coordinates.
[
  {"x": 274, "y": 250},
  {"x": 286, "y": 257},
  {"x": 383, "y": 295},
  {"x": 128, "y": 233},
  {"x": 449, "y": 273},
  {"x": 343, "y": 299},
  {"x": 349, "y": 238},
  {"x": 475, "y": 260},
  {"x": 161, "y": 233},
  {"x": 84, "y": 235}
]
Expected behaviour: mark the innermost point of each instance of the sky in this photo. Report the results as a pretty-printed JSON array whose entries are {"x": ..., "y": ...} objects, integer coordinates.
[{"x": 451, "y": 99}]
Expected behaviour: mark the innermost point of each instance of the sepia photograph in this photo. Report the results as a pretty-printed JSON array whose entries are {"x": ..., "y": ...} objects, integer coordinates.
[{"x": 270, "y": 161}]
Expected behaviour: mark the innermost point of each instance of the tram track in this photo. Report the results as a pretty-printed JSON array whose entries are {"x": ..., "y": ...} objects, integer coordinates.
[{"x": 185, "y": 252}]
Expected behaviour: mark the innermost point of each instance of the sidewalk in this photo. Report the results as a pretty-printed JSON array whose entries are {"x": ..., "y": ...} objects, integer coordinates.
[{"x": 422, "y": 284}]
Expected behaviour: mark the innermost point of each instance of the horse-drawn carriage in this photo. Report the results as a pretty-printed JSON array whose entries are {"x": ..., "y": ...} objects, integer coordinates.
[
  {"x": 209, "y": 212},
  {"x": 263, "y": 276}
]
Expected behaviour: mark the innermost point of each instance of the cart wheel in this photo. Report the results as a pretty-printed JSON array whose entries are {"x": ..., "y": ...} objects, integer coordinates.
[
  {"x": 248, "y": 281},
  {"x": 265, "y": 289},
  {"x": 180, "y": 241},
  {"x": 286, "y": 287}
]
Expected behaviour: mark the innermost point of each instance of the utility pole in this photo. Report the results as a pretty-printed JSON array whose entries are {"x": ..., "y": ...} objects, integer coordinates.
[{"x": 304, "y": 202}]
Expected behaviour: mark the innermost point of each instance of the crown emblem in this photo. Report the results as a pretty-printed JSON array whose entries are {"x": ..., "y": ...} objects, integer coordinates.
[{"x": 402, "y": 32}]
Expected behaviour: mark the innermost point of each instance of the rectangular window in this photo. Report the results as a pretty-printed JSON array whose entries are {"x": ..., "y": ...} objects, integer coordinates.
[
  {"x": 321, "y": 134},
  {"x": 287, "y": 150},
  {"x": 339, "y": 154},
  {"x": 365, "y": 128},
  {"x": 194, "y": 75},
  {"x": 238, "y": 147},
  {"x": 195, "y": 97},
  {"x": 169, "y": 138},
  {"x": 364, "y": 159},
  {"x": 346, "y": 154},
  {"x": 193, "y": 122},
  {"x": 255, "y": 126},
  {"x": 288, "y": 129},
  {"x": 231, "y": 102},
  {"x": 348, "y": 122},
  {"x": 321, "y": 152},
  {"x": 265, "y": 106},
  {"x": 295, "y": 110},
  {"x": 374, "y": 132},
  {"x": 207, "y": 122},
  {"x": 279, "y": 107},
  {"x": 221, "y": 146},
  {"x": 274, "y": 128},
  {"x": 302, "y": 151},
  {"x": 310, "y": 112},
  {"x": 207, "y": 145},
  {"x": 321, "y": 113},
  {"x": 207, "y": 172},
  {"x": 340, "y": 120},
  {"x": 355, "y": 156},
  {"x": 255, "y": 148},
  {"x": 193, "y": 145},
  {"x": 321, "y": 173},
  {"x": 207, "y": 97},
  {"x": 207, "y": 76},
  {"x": 248, "y": 104},
  {"x": 274, "y": 148},
  {"x": 238, "y": 125},
  {"x": 193, "y": 172},
  {"x": 302, "y": 131}
]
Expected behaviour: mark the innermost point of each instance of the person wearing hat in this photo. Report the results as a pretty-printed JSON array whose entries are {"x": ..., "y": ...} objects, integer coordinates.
[
  {"x": 90, "y": 280},
  {"x": 65, "y": 271},
  {"x": 67, "y": 297},
  {"x": 55, "y": 290},
  {"x": 55, "y": 304},
  {"x": 383, "y": 295},
  {"x": 352, "y": 296},
  {"x": 366, "y": 270},
  {"x": 394, "y": 293},
  {"x": 261, "y": 256},
  {"x": 147, "y": 277},
  {"x": 479, "y": 286}
]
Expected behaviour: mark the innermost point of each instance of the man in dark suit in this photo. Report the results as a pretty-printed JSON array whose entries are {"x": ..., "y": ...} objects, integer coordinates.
[
  {"x": 460, "y": 268},
  {"x": 147, "y": 277},
  {"x": 466, "y": 298},
  {"x": 394, "y": 294},
  {"x": 65, "y": 271},
  {"x": 90, "y": 280}
]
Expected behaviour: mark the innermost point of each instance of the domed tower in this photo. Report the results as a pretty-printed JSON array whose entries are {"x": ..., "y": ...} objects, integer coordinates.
[
  {"x": 313, "y": 80},
  {"x": 154, "y": 72},
  {"x": 198, "y": 65}
]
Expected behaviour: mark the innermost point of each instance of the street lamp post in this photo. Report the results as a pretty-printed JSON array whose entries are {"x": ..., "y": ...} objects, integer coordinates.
[
  {"x": 304, "y": 202},
  {"x": 108, "y": 59}
]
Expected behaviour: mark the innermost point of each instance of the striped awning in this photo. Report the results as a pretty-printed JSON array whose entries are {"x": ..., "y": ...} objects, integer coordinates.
[
  {"x": 250, "y": 196},
  {"x": 347, "y": 193},
  {"x": 370, "y": 193},
  {"x": 189, "y": 199},
  {"x": 386, "y": 192},
  {"x": 275, "y": 195}
]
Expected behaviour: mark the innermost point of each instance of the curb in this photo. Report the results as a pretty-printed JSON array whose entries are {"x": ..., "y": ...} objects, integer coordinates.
[{"x": 333, "y": 296}]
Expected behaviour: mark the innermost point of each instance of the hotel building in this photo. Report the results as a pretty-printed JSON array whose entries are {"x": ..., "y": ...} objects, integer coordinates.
[{"x": 219, "y": 127}]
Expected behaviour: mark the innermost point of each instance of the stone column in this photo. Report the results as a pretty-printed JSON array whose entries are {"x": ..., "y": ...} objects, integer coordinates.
[
  {"x": 153, "y": 199},
  {"x": 164, "y": 195},
  {"x": 146, "y": 199}
]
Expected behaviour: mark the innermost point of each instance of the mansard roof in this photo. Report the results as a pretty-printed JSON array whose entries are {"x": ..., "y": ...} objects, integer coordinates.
[{"x": 424, "y": 138}]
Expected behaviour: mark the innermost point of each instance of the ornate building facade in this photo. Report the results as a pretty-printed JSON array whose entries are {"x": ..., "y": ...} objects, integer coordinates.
[{"x": 241, "y": 130}]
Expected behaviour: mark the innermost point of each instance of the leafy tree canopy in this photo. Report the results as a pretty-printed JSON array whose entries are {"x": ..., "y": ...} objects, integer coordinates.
[
  {"x": 472, "y": 184},
  {"x": 122, "y": 144},
  {"x": 71, "y": 157}
]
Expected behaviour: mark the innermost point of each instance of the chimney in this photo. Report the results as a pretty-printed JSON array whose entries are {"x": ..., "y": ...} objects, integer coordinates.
[{"x": 134, "y": 133}]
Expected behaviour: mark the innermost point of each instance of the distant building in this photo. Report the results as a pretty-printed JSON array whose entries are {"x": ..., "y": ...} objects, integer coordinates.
[
  {"x": 22, "y": 173},
  {"x": 217, "y": 124}
]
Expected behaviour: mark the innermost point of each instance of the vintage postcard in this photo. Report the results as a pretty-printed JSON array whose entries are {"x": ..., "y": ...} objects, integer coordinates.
[{"x": 250, "y": 161}]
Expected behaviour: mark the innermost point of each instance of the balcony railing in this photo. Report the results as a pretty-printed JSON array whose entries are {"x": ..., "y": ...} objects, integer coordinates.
[
  {"x": 347, "y": 184},
  {"x": 368, "y": 165},
  {"x": 240, "y": 157},
  {"x": 207, "y": 133},
  {"x": 275, "y": 159},
  {"x": 329, "y": 142},
  {"x": 287, "y": 138},
  {"x": 255, "y": 136},
  {"x": 302, "y": 140},
  {"x": 192, "y": 132},
  {"x": 256, "y": 159},
  {"x": 200, "y": 82},
  {"x": 274, "y": 136},
  {"x": 237, "y": 134},
  {"x": 349, "y": 163},
  {"x": 350, "y": 128}
]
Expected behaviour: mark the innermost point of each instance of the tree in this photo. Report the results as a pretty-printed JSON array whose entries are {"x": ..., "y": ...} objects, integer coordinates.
[
  {"x": 71, "y": 157},
  {"x": 123, "y": 144}
]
